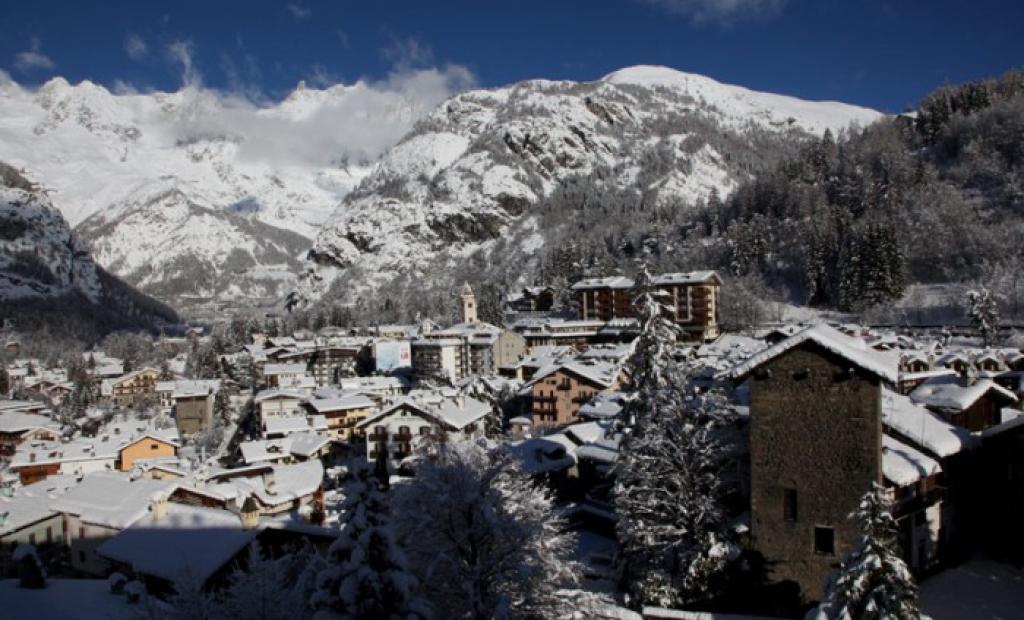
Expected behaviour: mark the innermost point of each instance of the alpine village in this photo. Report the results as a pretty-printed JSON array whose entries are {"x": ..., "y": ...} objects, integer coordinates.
[{"x": 642, "y": 347}]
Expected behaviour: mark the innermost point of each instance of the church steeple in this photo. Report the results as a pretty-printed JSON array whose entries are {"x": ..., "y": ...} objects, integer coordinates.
[{"x": 468, "y": 304}]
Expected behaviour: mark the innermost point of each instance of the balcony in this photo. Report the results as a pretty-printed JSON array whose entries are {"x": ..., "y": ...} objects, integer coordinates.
[
  {"x": 402, "y": 437},
  {"x": 378, "y": 437}
]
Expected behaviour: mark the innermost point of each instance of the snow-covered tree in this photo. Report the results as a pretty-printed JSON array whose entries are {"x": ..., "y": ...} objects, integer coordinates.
[
  {"x": 265, "y": 590},
  {"x": 495, "y": 547},
  {"x": 983, "y": 313},
  {"x": 652, "y": 361},
  {"x": 674, "y": 541},
  {"x": 498, "y": 399},
  {"x": 365, "y": 573},
  {"x": 873, "y": 581}
]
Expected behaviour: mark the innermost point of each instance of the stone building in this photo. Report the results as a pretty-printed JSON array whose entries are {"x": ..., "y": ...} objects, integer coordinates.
[{"x": 815, "y": 449}]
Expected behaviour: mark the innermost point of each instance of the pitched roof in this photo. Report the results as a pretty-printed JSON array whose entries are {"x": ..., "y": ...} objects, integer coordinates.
[
  {"x": 851, "y": 349},
  {"x": 922, "y": 426},
  {"x": 111, "y": 499},
  {"x": 188, "y": 538},
  {"x": 903, "y": 465},
  {"x": 949, "y": 392},
  {"x": 343, "y": 403}
]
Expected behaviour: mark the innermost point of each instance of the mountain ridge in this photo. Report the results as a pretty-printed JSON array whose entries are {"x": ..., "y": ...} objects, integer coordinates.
[{"x": 474, "y": 167}]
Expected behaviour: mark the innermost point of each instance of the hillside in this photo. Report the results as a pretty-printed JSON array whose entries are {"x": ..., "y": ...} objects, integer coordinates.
[
  {"x": 932, "y": 197},
  {"x": 480, "y": 175},
  {"x": 48, "y": 275}
]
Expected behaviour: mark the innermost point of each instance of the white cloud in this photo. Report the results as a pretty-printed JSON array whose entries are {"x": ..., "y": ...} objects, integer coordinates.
[
  {"x": 32, "y": 58},
  {"x": 320, "y": 128},
  {"x": 720, "y": 11},
  {"x": 182, "y": 53},
  {"x": 406, "y": 53},
  {"x": 135, "y": 47},
  {"x": 298, "y": 11}
]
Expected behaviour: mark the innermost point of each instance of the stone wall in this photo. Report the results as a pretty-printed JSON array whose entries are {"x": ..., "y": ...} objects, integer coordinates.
[{"x": 815, "y": 429}]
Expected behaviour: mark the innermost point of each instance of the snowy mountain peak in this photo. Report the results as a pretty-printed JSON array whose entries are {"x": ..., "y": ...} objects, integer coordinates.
[
  {"x": 468, "y": 175},
  {"x": 814, "y": 116}
]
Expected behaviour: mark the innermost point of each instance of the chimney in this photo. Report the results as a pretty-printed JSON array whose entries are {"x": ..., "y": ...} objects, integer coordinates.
[
  {"x": 249, "y": 514},
  {"x": 269, "y": 483},
  {"x": 158, "y": 506}
]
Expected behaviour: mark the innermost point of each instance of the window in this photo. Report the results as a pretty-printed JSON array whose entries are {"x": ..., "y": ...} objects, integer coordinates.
[
  {"x": 824, "y": 540},
  {"x": 81, "y": 531},
  {"x": 49, "y": 535},
  {"x": 31, "y": 539},
  {"x": 154, "y": 446},
  {"x": 789, "y": 504}
]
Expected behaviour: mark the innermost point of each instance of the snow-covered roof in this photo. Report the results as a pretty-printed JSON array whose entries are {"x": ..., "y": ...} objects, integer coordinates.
[
  {"x": 276, "y": 394},
  {"x": 17, "y": 422},
  {"x": 344, "y": 403},
  {"x": 923, "y": 427},
  {"x": 195, "y": 539},
  {"x": 604, "y": 451},
  {"x": 949, "y": 392},
  {"x": 903, "y": 465},
  {"x": 373, "y": 383},
  {"x": 586, "y": 432},
  {"x": 545, "y": 454},
  {"x": 461, "y": 412},
  {"x": 283, "y": 425},
  {"x": 456, "y": 412},
  {"x": 689, "y": 277},
  {"x": 111, "y": 499},
  {"x": 197, "y": 387},
  {"x": 609, "y": 282},
  {"x": 600, "y": 372},
  {"x": 23, "y": 406},
  {"x": 603, "y": 405},
  {"x": 852, "y": 349},
  {"x": 303, "y": 444},
  {"x": 27, "y": 506},
  {"x": 927, "y": 374}
]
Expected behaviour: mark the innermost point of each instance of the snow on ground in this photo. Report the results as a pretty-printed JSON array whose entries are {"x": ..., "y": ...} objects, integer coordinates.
[
  {"x": 978, "y": 590},
  {"x": 62, "y": 599}
]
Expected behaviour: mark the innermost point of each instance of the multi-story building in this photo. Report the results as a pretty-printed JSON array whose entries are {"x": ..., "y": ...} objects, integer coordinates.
[
  {"x": 343, "y": 413},
  {"x": 132, "y": 388},
  {"x": 396, "y": 431},
  {"x": 561, "y": 389},
  {"x": 694, "y": 299}
]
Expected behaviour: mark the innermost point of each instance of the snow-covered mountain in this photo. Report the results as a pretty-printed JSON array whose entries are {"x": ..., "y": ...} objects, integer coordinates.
[
  {"x": 169, "y": 186},
  {"x": 470, "y": 172},
  {"x": 42, "y": 260}
]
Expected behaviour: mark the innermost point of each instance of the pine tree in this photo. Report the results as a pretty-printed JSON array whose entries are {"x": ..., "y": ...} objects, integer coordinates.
[
  {"x": 873, "y": 581},
  {"x": 651, "y": 362},
  {"x": 365, "y": 575},
  {"x": 674, "y": 543},
  {"x": 983, "y": 314}
]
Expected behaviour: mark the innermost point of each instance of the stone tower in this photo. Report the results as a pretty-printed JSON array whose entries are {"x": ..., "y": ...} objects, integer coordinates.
[{"x": 468, "y": 304}]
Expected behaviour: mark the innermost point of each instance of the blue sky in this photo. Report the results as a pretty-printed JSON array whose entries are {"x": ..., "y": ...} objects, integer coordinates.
[{"x": 880, "y": 54}]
